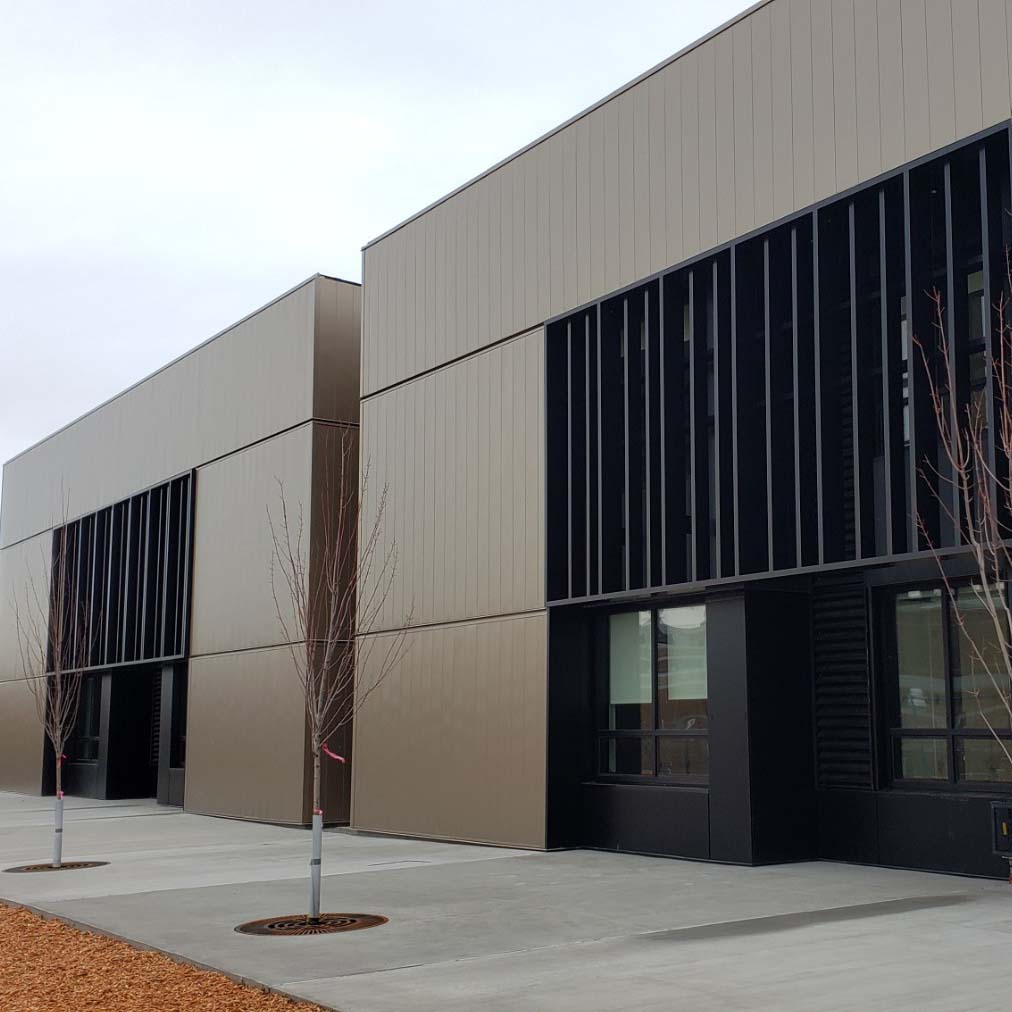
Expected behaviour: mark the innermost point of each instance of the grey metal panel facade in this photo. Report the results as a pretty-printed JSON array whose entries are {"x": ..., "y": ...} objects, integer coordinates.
[{"x": 784, "y": 107}]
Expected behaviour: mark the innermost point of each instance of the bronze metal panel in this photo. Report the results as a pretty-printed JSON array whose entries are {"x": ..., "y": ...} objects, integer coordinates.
[
  {"x": 337, "y": 341},
  {"x": 452, "y": 743},
  {"x": 24, "y": 575},
  {"x": 233, "y": 608},
  {"x": 461, "y": 453},
  {"x": 22, "y": 740},
  {"x": 247, "y": 383},
  {"x": 246, "y": 737}
]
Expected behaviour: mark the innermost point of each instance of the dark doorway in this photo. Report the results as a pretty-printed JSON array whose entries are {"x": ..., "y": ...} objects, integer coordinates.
[
  {"x": 114, "y": 750},
  {"x": 132, "y": 770}
]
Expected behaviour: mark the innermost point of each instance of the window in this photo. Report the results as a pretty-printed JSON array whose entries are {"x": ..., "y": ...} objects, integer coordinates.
[
  {"x": 177, "y": 747},
  {"x": 950, "y": 684},
  {"x": 84, "y": 742},
  {"x": 653, "y": 695}
]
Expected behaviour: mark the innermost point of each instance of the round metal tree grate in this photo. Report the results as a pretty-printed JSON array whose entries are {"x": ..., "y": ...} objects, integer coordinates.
[
  {"x": 299, "y": 924},
  {"x": 66, "y": 866}
]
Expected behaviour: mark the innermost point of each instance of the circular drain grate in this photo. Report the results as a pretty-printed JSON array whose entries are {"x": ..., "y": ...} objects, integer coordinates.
[
  {"x": 66, "y": 866},
  {"x": 299, "y": 924}
]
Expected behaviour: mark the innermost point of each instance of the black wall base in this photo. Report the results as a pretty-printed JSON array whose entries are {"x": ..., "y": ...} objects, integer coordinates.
[
  {"x": 172, "y": 724},
  {"x": 907, "y": 829},
  {"x": 647, "y": 820}
]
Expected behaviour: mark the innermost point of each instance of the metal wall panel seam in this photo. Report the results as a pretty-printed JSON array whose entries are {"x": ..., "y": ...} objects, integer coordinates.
[
  {"x": 941, "y": 73},
  {"x": 823, "y": 100},
  {"x": 846, "y": 137},
  {"x": 993, "y": 58},
  {"x": 673, "y": 158},
  {"x": 783, "y": 108},
  {"x": 803, "y": 112},
  {"x": 914, "y": 49},
  {"x": 867, "y": 89},
  {"x": 690, "y": 153},
  {"x": 707, "y": 147},
  {"x": 762, "y": 115},
  {"x": 966, "y": 57},
  {"x": 744, "y": 204}
]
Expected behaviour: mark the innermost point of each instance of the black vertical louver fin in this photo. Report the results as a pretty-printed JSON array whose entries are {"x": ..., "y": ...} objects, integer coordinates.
[{"x": 126, "y": 577}]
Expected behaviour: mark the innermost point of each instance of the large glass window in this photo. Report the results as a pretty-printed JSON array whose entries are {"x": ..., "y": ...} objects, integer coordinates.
[
  {"x": 653, "y": 693},
  {"x": 84, "y": 741},
  {"x": 952, "y": 687}
]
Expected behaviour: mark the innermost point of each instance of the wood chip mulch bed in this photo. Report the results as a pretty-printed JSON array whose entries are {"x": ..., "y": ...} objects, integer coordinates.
[{"x": 46, "y": 966}]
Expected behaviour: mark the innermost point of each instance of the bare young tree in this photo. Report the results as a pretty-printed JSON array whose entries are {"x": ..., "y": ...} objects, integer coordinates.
[
  {"x": 971, "y": 485},
  {"x": 319, "y": 590},
  {"x": 53, "y": 641}
]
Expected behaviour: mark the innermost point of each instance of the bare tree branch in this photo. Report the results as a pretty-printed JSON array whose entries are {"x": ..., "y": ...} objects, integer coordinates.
[
  {"x": 972, "y": 488},
  {"x": 330, "y": 594},
  {"x": 55, "y": 645}
]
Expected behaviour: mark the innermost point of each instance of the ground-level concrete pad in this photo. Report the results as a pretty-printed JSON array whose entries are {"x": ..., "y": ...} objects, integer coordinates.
[{"x": 480, "y": 928}]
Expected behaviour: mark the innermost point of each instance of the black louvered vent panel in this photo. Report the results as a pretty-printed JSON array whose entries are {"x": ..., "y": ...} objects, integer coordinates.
[
  {"x": 156, "y": 719},
  {"x": 843, "y": 724}
]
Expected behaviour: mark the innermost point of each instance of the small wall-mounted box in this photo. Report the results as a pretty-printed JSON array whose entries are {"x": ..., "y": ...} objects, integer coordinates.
[{"x": 1001, "y": 828}]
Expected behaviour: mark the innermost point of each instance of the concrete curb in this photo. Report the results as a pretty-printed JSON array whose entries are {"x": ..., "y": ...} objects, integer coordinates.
[{"x": 174, "y": 956}]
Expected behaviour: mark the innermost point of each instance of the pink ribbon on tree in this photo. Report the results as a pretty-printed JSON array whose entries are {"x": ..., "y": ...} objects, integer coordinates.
[{"x": 333, "y": 755}]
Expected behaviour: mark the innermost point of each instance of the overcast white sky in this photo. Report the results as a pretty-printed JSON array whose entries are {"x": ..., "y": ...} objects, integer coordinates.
[{"x": 165, "y": 168}]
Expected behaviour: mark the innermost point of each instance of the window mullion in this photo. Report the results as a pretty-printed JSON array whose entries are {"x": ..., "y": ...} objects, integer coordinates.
[
  {"x": 655, "y": 692},
  {"x": 948, "y": 652}
]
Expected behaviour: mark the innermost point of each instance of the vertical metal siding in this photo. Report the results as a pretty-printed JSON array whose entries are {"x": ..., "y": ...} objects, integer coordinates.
[
  {"x": 690, "y": 151},
  {"x": 786, "y": 107},
  {"x": 265, "y": 374},
  {"x": 486, "y": 680},
  {"x": 708, "y": 193},
  {"x": 762, "y": 114},
  {"x": 845, "y": 116},
  {"x": 461, "y": 452},
  {"x": 868, "y": 119},
  {"x": 782, "y": 112}
]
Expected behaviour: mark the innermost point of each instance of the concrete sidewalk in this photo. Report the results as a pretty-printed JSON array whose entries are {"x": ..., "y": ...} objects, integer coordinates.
[{"x": 477, "y": 928}]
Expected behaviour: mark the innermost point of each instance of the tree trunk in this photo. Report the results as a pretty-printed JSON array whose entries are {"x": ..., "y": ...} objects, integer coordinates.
[
  {"x": 315, "y": 862},
  {"x": 58, "y": 816}
]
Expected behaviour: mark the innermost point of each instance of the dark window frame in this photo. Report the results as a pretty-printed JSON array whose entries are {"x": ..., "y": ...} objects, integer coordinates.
[
  {"x": 80, "y": 742},
  {"x": 893, "y": 733},
  {"x": 603, "y": 734}
]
